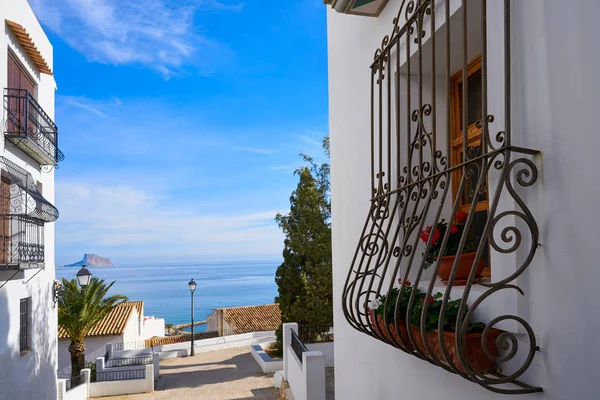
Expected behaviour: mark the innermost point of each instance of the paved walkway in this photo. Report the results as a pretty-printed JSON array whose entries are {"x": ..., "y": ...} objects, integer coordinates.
[{"x": 230, "y": 374}]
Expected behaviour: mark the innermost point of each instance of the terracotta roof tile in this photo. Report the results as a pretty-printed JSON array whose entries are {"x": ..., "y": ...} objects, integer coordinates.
[
  {"x": 113, "y": 324},
  {"x": 186, "y": 337},
  {"x": 30, "y": 47},
  {"x": 261, "y": 318}
]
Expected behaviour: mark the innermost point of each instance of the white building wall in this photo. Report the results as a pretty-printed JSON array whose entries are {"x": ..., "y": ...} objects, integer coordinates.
[
  {"x": 153, "y": 327},
  {"x": 133, "y": 328},
  {"x": 94, "y": 347},
  {"x": 555, "y": 101},
  {"x": 33, "y": 375}
]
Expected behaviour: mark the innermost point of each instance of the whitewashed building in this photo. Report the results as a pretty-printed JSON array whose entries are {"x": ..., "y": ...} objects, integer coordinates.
[
  {"x": 487, "y": 108},
  {"x": 125, "y": 327},
  {"x": 29, "y": 153}
]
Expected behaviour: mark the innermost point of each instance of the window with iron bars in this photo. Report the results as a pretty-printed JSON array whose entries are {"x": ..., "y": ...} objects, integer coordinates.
[
  {"x": 448, "y": 228},
  {"x": 24, "y": 328}
]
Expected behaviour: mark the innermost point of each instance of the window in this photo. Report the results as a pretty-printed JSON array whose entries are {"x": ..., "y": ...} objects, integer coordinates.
[
  {"x": 473, "y": 137},
  {"x": 25, "y": 317}
]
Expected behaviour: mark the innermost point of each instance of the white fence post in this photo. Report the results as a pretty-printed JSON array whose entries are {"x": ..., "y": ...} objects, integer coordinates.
[
  {"x": 100, "y": 364},
  {"x": 61, "y": 388},
  {"x": 313, "y": 364},
  {"x": 287, "y": 341},
  {"x": 149, "y": 378},
  {"x": 87, "y": 374}
]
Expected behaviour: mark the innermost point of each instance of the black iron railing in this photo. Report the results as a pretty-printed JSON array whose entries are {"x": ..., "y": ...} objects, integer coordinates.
[
  {"x": 138, "y": 344},
  {"x": 21, "y": 241},
  {"x": 121, "y": 375},
  {"x": 315, "y": 333},
  {"x": 125, "y": 362},
  {"x": 72, "y": 383},
  {"x": 446, "y": 191},
  {"x": 26, "y": 120},
  {"x": 298, "y": 346}
]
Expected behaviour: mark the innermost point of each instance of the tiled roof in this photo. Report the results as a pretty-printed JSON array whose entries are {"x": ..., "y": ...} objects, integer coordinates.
[
  {"x": 113, "y": 324},
  {"x": 139, "y": 306},
  {"x": 266, "y": 317},
  {"x": 30, "y": 47}
]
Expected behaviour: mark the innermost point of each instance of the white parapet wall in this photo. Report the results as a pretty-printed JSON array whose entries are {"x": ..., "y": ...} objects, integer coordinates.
[
  {"x": 130, "y": 386},
  {"x": 307, "y": 377},
  {"x": 81, "y": 392},
  {"x": 265, "y": 362},
  {"x": 212, "y": 344}
]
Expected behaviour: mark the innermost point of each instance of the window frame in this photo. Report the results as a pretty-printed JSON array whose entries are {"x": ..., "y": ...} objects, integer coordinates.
[
  {"x": 456, "y": 133},
  {"x": 26, "y": 336}
]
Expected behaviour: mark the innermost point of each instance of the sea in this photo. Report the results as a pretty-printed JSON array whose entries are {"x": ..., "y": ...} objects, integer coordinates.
[{"x": 164, "y": 287}]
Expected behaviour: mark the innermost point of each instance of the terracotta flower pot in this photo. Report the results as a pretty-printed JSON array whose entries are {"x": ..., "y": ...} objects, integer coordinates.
[
  {"x": 476, "y": 357},
  {"x": 400, "y": 334},
  {"x": 464, "y": 268},
  {"x": 378, "y": 325}
]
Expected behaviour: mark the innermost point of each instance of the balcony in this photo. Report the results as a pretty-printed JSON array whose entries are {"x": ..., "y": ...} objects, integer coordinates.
[
  {"x": 21, "y": 242},
  {"x": 28, "y": 126}
]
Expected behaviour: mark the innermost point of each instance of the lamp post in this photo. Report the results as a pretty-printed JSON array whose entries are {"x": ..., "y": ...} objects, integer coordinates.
[
  {"x": 84, "y": 276},
  {"x": 192, "y": 285}
]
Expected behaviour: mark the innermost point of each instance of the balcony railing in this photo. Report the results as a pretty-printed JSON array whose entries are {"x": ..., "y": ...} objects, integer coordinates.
[
  {"x": 28, "y": 126},
  {"x": 21, "y": 242}
]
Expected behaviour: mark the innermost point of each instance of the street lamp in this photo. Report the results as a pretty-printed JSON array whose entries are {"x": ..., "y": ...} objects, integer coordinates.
[
  {"x": 192, "y": 285},
  {"x": 84, "y": 276}
]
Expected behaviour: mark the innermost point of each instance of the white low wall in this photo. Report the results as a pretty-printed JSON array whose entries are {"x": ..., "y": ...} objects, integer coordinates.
[
  {"x": 212, "y": 344},
  {"x": 101, "y": 364},
  {"x": 131, "y": 386},
  {"x": 306, "y": 378},
  {"x": 327, "y": 350},
  {"x": 265, "y": 362},
  {"x": 81, "y": 392}
]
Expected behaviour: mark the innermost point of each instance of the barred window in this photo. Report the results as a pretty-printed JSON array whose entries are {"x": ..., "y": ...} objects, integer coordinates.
[{"x": 24, "y": 330}]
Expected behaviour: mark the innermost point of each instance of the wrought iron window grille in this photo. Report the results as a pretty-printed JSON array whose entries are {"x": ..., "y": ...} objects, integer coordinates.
[
  {"x": 23, "y": 213},
  {"x": 29, "y": 127},
  {"x": 411, "y": 186},
  {"x": 298, "y": 346}
]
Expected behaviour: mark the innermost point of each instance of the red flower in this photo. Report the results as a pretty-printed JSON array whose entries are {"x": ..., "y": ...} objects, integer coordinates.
[
  {"x": 430, "y": 300},
  {"x": 461, "y": 216},
  {"x": 453, "y": 228},
  {"x": 425, "y": 234},
  {"x": 436, "y": 236},
  {"x": 406, "y": 282}
]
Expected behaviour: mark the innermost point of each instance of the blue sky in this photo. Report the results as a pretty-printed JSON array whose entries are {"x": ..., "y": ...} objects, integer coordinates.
[{"x": 181, "y": 121}]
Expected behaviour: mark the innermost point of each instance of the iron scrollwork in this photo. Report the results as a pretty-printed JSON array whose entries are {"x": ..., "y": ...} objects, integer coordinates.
[{"x": 414, "y": 184}]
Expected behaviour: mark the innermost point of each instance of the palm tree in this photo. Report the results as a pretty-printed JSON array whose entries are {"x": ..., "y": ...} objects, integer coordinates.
[{"x": 79, "y": 310}]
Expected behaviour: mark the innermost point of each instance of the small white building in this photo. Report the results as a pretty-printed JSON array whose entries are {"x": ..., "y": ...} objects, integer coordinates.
[
  {"x": 28, "y": 154},
  {"x": 124, "y": 324},
  {"x": 483, "y": 107}
]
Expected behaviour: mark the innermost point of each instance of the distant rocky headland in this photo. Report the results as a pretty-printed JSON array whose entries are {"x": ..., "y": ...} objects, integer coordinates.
[{"x": 92, "y": 260}]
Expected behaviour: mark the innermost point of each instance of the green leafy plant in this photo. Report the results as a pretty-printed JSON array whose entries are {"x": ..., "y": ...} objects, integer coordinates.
[
  {"x": 456, "y": 232},
  {"x": 420, "y": 298},
  {"x": 92, "y": 368},
  {"x": 80, "y": 310}
]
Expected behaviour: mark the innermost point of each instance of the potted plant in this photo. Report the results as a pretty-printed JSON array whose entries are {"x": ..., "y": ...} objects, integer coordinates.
[
  {"x": 379, "y": 312},
  {"x": 478, "y": 360},
  {"x": 447, "y": 259}
]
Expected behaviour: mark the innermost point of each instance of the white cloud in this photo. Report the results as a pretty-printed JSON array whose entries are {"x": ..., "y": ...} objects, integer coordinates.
[
  {"x": 156, "y": 33},
  {"x": 123, "y": 220}
]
